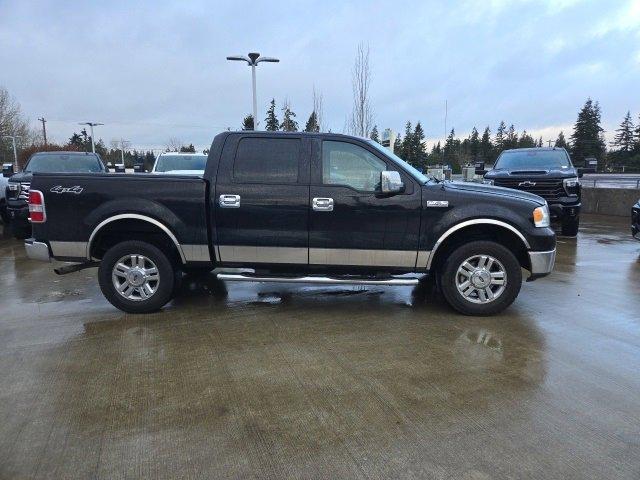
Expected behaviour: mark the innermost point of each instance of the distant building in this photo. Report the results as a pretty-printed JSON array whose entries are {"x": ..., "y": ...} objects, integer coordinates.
[{"x": 388, "y": 138}]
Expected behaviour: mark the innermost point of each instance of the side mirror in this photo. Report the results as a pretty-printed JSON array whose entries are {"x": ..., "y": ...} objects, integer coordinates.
[
  {"x": 391, "y": 182},
  {"x": 7, "y": 170},
  {"x": 580, "y": 172}
]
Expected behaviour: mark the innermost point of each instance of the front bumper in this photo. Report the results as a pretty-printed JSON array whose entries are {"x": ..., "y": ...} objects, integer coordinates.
[
  {"x": 564, "y": 210},
  {"x": 37, "y": 250},
  {"x": 541, "y": 263}
]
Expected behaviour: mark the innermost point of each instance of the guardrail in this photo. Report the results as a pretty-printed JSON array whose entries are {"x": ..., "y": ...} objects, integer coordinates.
[{"x": 610, "y": 182}]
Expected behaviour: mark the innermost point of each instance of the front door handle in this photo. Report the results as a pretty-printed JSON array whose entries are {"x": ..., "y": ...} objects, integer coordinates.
[
  {"x": 323, "y": 204},
  {"x": 229, "y": 201}
]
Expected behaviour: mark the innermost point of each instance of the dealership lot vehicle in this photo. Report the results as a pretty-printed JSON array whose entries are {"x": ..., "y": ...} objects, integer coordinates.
[
  {"x": 296, "y": 208},
  {"x": 180, "y": 163},
  {"x": 4, "y": 181},
  {"x": 19, "y": 183},
  {"x": 635, "y": 220},
  {"x": 547, "y": 172},
  {"x": 305, "y": 381}
]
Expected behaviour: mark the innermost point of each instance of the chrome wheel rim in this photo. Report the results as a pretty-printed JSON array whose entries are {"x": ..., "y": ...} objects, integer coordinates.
[
  {"x": 135, "y": 277},
  {"x": 481, "y": 279}
]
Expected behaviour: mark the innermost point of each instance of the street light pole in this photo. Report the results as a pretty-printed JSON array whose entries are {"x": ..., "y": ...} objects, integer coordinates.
[
  {"x": 15, "y": 151},
  {"x": 91, "y": 125},
  {"x": 253, "y": 59}
]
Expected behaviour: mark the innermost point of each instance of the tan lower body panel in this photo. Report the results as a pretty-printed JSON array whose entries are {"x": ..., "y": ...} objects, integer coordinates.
[
  {"x": 249, "y": 254},
  {"x": 357, "y": 257},
  {"x": 69, "y": 249}
]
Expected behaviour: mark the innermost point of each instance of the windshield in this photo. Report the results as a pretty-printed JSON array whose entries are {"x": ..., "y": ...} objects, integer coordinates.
[
  {"x": 417, "y": 174},
  {"x": 64, "y": 163},
  {"x": 166, "y": 163},
  {"x": 533, "y": 160}
]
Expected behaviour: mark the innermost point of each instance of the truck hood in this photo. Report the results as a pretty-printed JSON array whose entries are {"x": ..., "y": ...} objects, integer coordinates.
[
  {"x": 21, "y": 177},
  {"x": 558, "y": 173},
  {"x": 491, "y": 190}
]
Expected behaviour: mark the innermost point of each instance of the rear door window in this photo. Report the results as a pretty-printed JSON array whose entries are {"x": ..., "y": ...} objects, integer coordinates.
[{"x": 267, "y": 160}]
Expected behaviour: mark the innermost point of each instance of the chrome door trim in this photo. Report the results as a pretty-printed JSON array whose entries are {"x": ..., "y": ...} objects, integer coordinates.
[
  {"x": 135, "y": 216},
  {"x": 362, "y": 257},
  {"x": 257, "y": 254},
  {"x": 196, "y": 253},
  {"x": 475, "y": 221}
]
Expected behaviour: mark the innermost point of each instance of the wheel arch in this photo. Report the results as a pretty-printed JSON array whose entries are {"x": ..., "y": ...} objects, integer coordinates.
[
  {"x": 110, "y": 224},
  {"x": 480, "y": 228}
]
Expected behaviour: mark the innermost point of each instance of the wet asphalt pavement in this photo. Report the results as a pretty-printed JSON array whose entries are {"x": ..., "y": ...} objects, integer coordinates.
[{"x": 280, "y": 381}]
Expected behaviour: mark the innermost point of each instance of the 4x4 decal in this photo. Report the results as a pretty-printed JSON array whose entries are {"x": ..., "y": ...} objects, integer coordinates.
[{"x": 77, "y": 189}]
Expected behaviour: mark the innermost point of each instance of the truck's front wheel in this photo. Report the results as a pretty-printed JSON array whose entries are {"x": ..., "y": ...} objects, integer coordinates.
[
  {"x": 136, "y": 277},
  {"x": 481, "y": 278}
]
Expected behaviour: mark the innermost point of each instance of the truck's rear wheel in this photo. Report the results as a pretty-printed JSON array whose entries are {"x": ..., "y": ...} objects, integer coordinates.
[
  {"x": 136, "y": 277},
  {"x": 481, "y": 278}
]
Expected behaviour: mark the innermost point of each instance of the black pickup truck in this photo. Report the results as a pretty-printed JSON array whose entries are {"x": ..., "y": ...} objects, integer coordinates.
[
  {"x": 293, "y": 207},
  {"x": 547, "y": 172}
]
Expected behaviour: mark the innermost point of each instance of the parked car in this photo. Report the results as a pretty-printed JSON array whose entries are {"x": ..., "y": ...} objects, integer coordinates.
[
  {"x": 635, "y": 220},
  {"x": 7, "y": 171},
  {"x": 293, "y": 207},
  {"x": 180, "y": 163},
  {"x": 547, "y": 172},
  {"x": 40, "y": 162}
]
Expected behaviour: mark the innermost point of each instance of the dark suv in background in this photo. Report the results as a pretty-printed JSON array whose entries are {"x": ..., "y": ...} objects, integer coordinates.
[
  {"x": 547, "y": 172},
  {"x": 17, "y": 193}
]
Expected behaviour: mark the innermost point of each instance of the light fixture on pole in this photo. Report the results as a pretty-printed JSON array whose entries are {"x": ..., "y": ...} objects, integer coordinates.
[
  {"x": 253, "y": 59},
  {"x": 91, "y": 125},
  {"x": 15, "y": 151}
]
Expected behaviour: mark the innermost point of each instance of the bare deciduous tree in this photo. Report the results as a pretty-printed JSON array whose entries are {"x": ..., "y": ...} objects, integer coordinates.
[
  {"x": 174, "y": 144},
  {"x": 361, "y": 119},
  {"x": 13, "y": 122}
]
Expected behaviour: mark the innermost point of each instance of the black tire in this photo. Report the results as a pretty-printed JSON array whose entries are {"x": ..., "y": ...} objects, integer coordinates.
[
  {"x": 166, "y": 270},
  {"x": 570, "y": 226},
  {"x": 449, "y": 275}
]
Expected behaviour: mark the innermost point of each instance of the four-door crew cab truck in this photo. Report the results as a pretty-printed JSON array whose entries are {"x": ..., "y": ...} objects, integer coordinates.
[{"x": 293, "y": 207}]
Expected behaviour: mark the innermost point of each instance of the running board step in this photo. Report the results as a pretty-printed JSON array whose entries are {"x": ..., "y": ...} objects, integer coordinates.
[{"x": 397, "y": 282}]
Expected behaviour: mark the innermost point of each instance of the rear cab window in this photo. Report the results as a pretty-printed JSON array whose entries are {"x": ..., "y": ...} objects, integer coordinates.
[{"x": 267, "y": 160}]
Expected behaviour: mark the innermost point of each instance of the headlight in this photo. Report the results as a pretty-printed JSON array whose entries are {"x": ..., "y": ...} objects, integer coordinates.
[
  {"x": 541, "y": 217},
  {"x": 571, "y": 185}
]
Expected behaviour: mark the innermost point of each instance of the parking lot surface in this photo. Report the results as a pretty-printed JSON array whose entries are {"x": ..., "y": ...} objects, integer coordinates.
[{"x": 280, "y": 381}]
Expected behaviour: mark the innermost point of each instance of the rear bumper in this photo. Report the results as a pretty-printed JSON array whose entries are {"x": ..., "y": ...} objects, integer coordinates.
[
  {"x": 541, "y": 263},
  {"x": 20, "y": 215},
  {"x": 37, "y": 250}
]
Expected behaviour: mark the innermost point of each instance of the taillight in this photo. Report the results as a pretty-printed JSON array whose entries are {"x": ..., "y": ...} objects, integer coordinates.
[{"x": 37, "y": 213}]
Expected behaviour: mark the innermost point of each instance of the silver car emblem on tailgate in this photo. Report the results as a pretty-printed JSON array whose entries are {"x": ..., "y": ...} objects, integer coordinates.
[{"x": 77, "y": 189}]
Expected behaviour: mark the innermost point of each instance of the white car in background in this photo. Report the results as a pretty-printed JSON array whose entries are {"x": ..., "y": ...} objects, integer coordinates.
[{"x": 180, "y": 163}]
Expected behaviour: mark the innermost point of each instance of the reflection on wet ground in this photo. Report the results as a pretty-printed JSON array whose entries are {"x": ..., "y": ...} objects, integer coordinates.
[{"x": 284, "y": 381}]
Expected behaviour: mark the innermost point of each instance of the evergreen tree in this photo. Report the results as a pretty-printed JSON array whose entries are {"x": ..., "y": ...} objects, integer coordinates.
[
  {"x": 540, "y": 141},
  {"x": 526, "y": 140},
  {"x": 474, "y": 143},
  {"x": 486, "y": 147},
  {"x": 374, "y": 134},
  {"x": 312, "y": 123},
  {"x": 587, "y": 137},
  {"x": 637, "y": 137},
  {"x": 511, "y": 141},
  {"x": 397, "y": 146},
  {"x": 189, "y": 149},
  {"x": 561, "y": 142},
  {"x": 417, "y": 140},
  {"x": 500, "y": 138},
  {"x": 247, "y": 123},
  {"x": 289, "y": 123},
  {"x": 624, "y": 138},
  {"x": 407, "y": 153},
  {"x": 450, "y": 145},
  {"x": 271, "y": 122}
]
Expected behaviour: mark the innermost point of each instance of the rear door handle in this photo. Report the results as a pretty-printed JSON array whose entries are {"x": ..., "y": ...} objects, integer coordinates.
[
  {"x": 323, "y": 204},
  {"x": 229, "y": 201}
]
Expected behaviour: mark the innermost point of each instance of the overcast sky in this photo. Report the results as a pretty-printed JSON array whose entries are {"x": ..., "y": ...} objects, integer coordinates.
[{"x": 155, "y": 70}]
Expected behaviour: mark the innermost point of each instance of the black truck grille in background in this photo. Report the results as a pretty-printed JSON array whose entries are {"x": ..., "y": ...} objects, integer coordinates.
[{"x": 547, "y": 189}]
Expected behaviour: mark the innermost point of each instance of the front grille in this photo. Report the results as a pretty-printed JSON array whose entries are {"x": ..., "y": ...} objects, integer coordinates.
[{"x": 547, "y": 189}]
